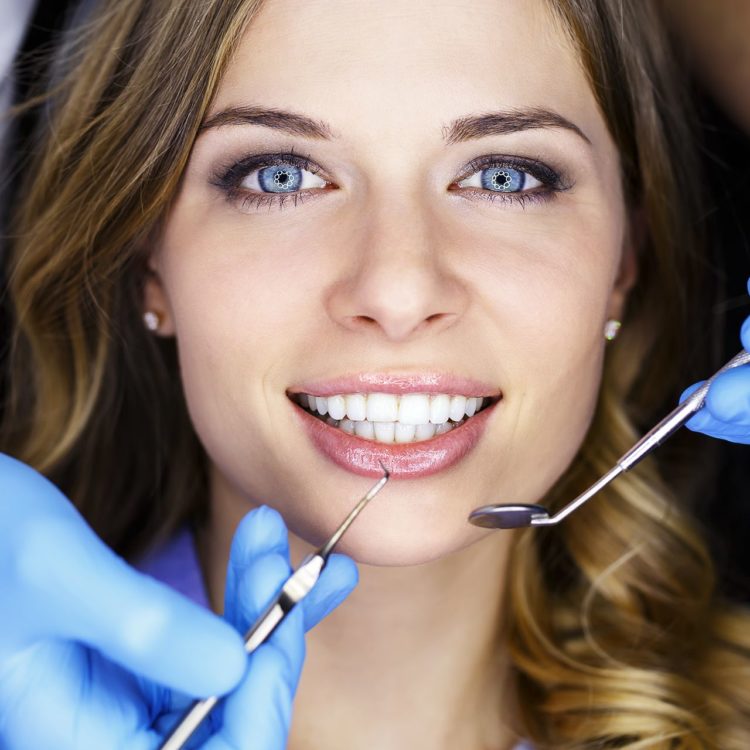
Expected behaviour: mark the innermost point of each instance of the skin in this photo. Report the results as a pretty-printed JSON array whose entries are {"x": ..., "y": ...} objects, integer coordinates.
[{"x": 392, "y": 268}]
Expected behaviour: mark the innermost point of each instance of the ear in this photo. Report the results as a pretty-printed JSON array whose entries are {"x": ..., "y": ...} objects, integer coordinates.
[
  {"x": 155, "y": 299},
  {"x": 627, "y": 272}
]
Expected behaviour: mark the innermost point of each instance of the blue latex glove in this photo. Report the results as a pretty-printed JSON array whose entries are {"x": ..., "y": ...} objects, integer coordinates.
[
  {"x": 726, "y": 414},
  {"x": 94, "y": 654}
]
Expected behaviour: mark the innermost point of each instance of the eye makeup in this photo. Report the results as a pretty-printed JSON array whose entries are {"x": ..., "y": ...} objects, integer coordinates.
[
  {"x": 550, "y": 181},
  {"x": 513, "y": 169}
]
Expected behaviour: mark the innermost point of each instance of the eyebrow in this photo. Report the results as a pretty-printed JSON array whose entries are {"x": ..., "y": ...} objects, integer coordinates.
[{"x": 460, "y": 130}]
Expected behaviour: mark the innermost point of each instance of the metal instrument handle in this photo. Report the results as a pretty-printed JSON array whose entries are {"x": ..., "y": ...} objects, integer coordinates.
[{"x": 675, "y": 419}]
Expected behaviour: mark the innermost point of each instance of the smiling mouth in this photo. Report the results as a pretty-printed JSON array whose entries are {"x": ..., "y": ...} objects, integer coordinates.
[{"x": 394, "y": 419}]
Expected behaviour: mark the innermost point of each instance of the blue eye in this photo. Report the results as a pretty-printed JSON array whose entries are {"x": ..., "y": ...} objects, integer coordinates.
[
  {"x": 272, "y": 179},
  {"x": 280, "y": 178},
  {"x": 503, "y": 179}
]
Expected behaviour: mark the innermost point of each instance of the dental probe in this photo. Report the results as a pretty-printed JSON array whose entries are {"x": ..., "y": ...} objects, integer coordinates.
[
  {"x": 295, "y": 588},
  {"x": 516, "y": 516}
]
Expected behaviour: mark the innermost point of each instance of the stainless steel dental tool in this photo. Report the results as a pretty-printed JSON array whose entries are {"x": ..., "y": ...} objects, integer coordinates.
[
  {"x": 295, "y": 588},
  {"x": 515, "y": 516}
]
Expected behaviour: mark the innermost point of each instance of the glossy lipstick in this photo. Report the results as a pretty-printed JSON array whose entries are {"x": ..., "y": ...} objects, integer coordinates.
[{"x": 407, "y": 460}]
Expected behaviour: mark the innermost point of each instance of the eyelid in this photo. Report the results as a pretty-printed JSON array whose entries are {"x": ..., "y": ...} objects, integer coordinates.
[
  {"x": 535, "y": 167},
  {"x": 230, "y": 177},
  {"x": 238, "y": 170},
  {"x": 233, "y": 174}
]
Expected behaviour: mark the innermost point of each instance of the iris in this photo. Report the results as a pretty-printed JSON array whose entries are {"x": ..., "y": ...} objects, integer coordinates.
[
  {"x": 503, "y": 179},
  {"x": 280, "y": 178}
]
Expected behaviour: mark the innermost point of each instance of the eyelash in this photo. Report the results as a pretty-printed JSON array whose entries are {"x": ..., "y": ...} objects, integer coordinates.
[{"x": 229, "y": 180}]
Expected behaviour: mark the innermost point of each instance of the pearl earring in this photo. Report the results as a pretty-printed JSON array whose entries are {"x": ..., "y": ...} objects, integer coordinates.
[
  {"x": 611, "y": 328},
  {"x": 152, "y": 320}
]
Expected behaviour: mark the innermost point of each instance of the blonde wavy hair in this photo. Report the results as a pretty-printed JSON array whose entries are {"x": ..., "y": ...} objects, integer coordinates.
[{"x": 617, "y": 633}]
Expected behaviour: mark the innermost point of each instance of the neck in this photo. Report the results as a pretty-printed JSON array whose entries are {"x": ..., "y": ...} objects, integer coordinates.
[{"x": 409, "y": 659}]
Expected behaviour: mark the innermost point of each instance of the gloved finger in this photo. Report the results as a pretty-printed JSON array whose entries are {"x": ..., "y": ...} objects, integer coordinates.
[
  {"x": 257, "y": 715},
  {"x": 262, "y": 532},
  {"x": 68, "y": 584},
  {"x": 258, "y": 567},
  {"x": 722, "y": 404},
  {"x": 250, "y": 585},
  {"x": 745, "y": 333},
  {"x": 699, "y": 418},
  {"x": 252, "y": 582},
  {"x": 728, "y": 398},
  {"x": 338, "y": 579}
]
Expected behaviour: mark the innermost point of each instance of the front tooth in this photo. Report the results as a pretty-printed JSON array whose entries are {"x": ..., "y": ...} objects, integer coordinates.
[
  {"x": 364, "y": 429},
  {"x": 440, "y": 407},
  {"x": 414, "y": 408},
  {"x": 441, "y": 429},
  {"x": 384, "y": 431},
  {"x": 356, "y": 406},
  {"x": 471, "y": 406},
  {"x": 347, "y": 426},
  {"x": 382, "y": 407},
  {"x": 321, "y": 404},
  {"x": 405, "y": 432},
  {"x": 337, "y": 407},
  {"x": 458, "y": 407},
  {"x": 424, "y": 431}
]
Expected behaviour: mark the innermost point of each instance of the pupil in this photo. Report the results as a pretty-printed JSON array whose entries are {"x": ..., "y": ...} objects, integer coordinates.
[
  {"x": 503, "y": 179},
  {"x": 279, "y": 179}
]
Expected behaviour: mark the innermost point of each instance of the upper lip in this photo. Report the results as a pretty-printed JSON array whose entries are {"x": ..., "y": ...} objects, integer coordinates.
[{"x": 385, "y": 382}]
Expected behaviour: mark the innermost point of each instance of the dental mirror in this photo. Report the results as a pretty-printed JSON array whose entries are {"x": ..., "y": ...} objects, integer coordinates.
[{"x": 517, "y": 516}]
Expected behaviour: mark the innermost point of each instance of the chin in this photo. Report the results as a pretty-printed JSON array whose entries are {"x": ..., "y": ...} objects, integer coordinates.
[{"x": 383, "y": 537}]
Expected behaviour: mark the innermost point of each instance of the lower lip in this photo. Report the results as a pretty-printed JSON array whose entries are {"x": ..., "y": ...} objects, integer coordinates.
[{"x": 405, "y": 461}]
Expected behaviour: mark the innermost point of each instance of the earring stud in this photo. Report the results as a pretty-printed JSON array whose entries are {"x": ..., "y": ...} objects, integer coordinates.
[
  {"x": 152, "y": 320},
  {"x": 611, "y": 329}
]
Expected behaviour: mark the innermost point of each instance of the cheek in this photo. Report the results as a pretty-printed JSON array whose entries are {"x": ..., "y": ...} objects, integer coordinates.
[
  {"x": 235, "y": 301},
  {"x": 549, "y": 292}
]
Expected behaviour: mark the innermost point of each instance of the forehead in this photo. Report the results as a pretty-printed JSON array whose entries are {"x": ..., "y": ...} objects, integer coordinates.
[{"x": 393, "y": 69}]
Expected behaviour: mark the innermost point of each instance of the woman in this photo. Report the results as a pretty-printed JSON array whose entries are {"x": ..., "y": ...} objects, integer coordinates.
[{"x": 333, "y": 200}]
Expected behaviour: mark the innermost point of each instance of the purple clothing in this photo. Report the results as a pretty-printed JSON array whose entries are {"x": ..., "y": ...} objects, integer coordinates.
[{"x": 176, "y": 564}]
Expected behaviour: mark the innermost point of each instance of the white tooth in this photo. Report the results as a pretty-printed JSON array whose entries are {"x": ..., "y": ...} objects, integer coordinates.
[
  {"x": 441, "y": 429},
  {"x": 337, "y": 407},
  {"x": 384, "y": 431},
  {"x": 405, "y": 432},
  {"x": 458, "y": 407},
  {"x": 471, "y": 406},
  {"x": 347, "y": 426},
  {"x": 382, "y": 407},
  {"x": 424, "y": 431},
  {"x": 414, "y": 408},
  {"x": 321, "y": 404},
  {"x": 356, "y": 406},
  {"x": 440, "y": 407},
  {"x": 364, "y": 429}
]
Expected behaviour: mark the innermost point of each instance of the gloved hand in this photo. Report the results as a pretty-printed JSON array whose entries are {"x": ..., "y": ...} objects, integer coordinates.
[
  {"x": 726, "y": 413},
  {"x": 94, "y": 654}
]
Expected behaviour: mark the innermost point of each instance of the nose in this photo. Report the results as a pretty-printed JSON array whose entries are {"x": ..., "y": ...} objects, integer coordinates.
[{"x": 402, "y": 281}]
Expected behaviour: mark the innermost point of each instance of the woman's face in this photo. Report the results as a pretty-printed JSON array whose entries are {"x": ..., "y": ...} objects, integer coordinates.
[{"x": 447, "y": 221}]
